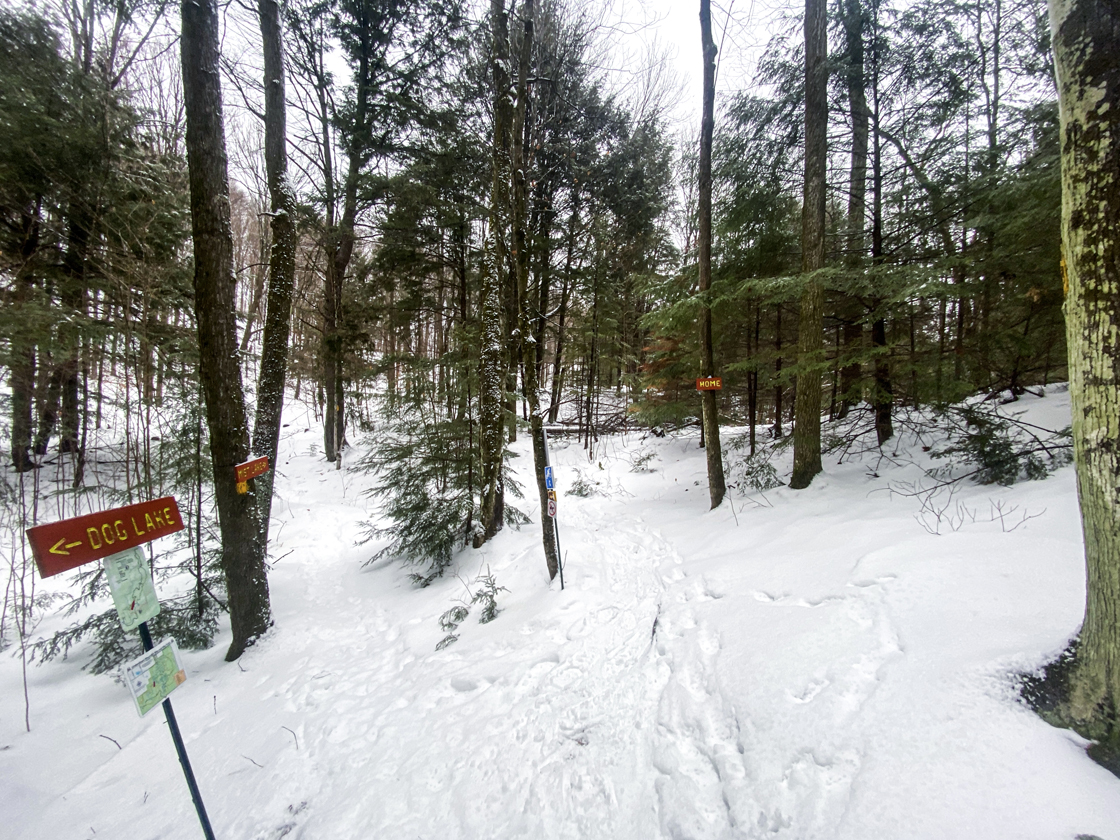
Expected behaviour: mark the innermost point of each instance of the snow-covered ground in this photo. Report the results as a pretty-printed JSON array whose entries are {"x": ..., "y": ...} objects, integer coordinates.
[{"x": 810, "y": 664}]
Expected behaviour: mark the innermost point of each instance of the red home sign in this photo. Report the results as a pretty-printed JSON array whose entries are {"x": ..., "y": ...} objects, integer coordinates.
[
  {"x": 61, "y": 546},
  {"x": 709, "y": 383}
]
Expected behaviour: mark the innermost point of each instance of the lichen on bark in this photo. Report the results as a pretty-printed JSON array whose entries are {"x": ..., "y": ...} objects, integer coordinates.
[{"x": 1086, "y": 41}]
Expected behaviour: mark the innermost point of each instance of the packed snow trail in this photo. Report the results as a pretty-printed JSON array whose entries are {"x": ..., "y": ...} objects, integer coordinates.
[
  {"x": 801, "y": 666},
  {"x": 536, "y": 735}
]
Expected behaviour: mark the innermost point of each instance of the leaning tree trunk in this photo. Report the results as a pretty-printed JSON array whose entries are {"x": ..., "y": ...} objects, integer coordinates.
[
  {"x": 717, "y": 486},
  {"x": 282, "y": 261},
  {"x": 807, "y": 428},
  {"x": 1086, "y": 39},
  {"x": 219, "y": 367}
]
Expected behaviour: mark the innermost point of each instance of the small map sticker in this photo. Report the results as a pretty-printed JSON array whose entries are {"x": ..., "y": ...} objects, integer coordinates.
[
  {"x": 152, "y": 676},
  {"x": 130, "y": 581}
]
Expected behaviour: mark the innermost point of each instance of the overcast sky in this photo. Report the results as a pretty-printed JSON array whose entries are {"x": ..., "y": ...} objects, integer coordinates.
[{"x": 741, "y": 27}]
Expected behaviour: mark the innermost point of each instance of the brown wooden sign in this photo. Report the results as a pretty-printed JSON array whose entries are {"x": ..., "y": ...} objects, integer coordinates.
[
  {"x": 709, "y": 383},
  {"x": 61, "y": 546},
  {"x": 251, "y": 469}
]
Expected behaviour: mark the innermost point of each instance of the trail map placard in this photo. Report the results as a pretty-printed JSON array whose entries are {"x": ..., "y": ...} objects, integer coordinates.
[
  {"x": 130, "y": 581},
  {"x": 154, "y": 675}
]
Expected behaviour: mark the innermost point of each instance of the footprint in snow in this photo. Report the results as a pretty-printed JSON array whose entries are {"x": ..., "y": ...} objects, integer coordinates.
[{"x": 463, "y": 684}]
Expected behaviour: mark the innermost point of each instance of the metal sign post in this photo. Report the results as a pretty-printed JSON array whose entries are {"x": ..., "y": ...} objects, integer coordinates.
[
  {"x": 116, "y": 536},
  {"x": 550, "y": 485},
  {"x": 181, "y": 748}
]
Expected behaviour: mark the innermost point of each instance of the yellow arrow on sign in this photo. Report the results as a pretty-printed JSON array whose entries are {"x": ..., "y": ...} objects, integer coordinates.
[{"x": 56, "y": 550}]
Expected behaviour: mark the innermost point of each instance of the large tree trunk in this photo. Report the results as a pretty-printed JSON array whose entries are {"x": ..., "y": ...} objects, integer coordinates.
[
  {"x": 219, "y": 369},
  {"x": 717, "y": 487},
  {"x": 883, "y": 393},
  {"x": 807, "y": 428},
  {"x": 530, "y": 344},
  {"x": 282, "y": 260},
  {"x": 493, "y": 358},
  {"x": 851, "y": 373},
  {"x": 1086, "y": 38}
]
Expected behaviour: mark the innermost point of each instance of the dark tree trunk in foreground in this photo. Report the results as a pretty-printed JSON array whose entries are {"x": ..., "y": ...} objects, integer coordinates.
[
  {"x": 807, "y": 426},
  {"x": 1086, "y": 38},
  {"x": 282, "y": 260},
  {"x": 717, "y": 487},
  {"x": 219, "y": 366}
]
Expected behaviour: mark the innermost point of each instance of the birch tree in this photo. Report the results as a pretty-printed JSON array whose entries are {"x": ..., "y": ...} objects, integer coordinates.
[{"x": 1086, "y": 40}]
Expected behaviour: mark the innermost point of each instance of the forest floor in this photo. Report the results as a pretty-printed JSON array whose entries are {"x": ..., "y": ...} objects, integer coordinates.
[{"x": 814, "y": 664}]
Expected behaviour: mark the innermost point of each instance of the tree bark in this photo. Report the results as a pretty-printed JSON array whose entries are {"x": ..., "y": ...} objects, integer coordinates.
[
  {"x": 493, "y": 358},
  {"x": 219, "y": 368},
  {"x": 883, "y": 392},
  {"x": 565, "y": 293},
  {"x": 851, "y": 372},
  {"x": 717, "y": 486},
  {"x": 282, "y": 260},
  {"x": 530, "y": 344},
  {"x": 807, "y": 428},
  {"x": 1086, "y": 39},
  {"x": 21, "y": 361},
  {"x": 778, "y": 389}
]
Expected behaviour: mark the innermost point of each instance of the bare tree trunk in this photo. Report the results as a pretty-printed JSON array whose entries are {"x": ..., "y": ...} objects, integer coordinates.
[
  {"x": 282, "y": 260},
  {"x": 851, "y": 373},
  {"x": 220, "y": 372},
  {"x": 48, "y": 404},
  {"x": 717, "y": 486},
  {"x": 1086, "y": 38},
  {"x": 778, "y": 372},
  {"x": 493, "y": 359},
  {"x": 807, "y": 429},
  {"x": 752, "y": 378},
  {"x": 21, "y": 362},
  {"x": 530, "y": 345},
  {"x": 883, "y": 396},
  {"x": 565, "y": 294}
]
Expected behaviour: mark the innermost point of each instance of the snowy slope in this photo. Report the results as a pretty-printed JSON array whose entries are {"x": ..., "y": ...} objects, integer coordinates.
[{"x": 803, "y": 665}]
